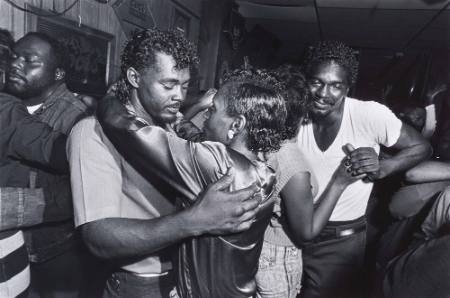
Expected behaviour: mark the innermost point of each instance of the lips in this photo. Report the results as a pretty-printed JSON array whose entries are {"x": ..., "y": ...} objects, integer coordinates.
[
  {"x": 319, "y": 105},
  {"x": 174, "y": 108}
]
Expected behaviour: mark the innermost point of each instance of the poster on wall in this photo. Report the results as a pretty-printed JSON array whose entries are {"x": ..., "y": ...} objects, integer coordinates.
[{"x": 133, "y": 15}]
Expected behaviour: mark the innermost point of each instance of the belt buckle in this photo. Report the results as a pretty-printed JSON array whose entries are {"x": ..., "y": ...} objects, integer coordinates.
[{"x": 346, "y": 232}]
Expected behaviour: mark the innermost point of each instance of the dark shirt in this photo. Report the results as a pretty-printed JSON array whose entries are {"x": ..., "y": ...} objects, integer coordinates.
[
  {"x": 60, "y": 111},
  {"x": 23, "y": 137}
]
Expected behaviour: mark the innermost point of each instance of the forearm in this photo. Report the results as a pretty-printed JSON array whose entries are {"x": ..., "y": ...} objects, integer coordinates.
[
  {"x": 430, "y": 121},
  {"x": 405, "y": 159},
  {"x": 325, "y": 206},
  {"x": 113, "y": 238},
  {"x": 428, "y": 171},
  {"x": 193, "y": 110}
]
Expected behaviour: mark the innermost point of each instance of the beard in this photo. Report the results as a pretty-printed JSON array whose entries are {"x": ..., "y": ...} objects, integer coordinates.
[{"x": 25, "y": 90}]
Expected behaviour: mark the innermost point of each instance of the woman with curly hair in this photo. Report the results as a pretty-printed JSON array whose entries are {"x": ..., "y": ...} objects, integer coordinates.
[
  {"x": 294, "y": 219},
  {"x": 246, "y": 120}
]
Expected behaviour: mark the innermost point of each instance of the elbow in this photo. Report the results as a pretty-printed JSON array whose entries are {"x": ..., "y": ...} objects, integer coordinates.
[
  {"x": 412, "y": 176},
  {"x": 300, "y": 239},
  {"x": 93, "y": 240}
]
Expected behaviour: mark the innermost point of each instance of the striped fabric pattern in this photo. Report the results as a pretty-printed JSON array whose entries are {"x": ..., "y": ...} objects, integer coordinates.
[{"x": 14, "y": 265}]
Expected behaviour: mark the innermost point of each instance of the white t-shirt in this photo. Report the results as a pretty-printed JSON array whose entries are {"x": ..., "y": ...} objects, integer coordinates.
[{"x": 364, "y": 124}]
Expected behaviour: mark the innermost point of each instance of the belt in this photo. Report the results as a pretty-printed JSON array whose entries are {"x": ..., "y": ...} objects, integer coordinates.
[
  {"x": 144, "y": 274},
  {"x": 337, "y": 231}
]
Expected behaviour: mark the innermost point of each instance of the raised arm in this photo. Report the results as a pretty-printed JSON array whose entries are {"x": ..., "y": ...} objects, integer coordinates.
[
  {"x": 305, "y": 220},
  {"x": 411, "y": 148},
  {"x": 150, "y": 149},
  {"x": 24, "y": 137}
]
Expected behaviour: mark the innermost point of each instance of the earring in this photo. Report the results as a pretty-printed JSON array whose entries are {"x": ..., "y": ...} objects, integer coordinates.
[{"x": 230, "y": 134}]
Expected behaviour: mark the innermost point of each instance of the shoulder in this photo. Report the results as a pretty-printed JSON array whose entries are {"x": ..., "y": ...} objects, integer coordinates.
[
  {"x": 365, "y": 107},
  {"x": 368, "y": 110},
  {"x": 73, "y": 102},
  {"x": 7, "y": 98},
  {"x": 86, "y": 128}
]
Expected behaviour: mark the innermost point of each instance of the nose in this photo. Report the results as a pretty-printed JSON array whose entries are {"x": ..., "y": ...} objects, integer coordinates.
[
  {"x": 17, "y": 62},
  {"x": 323, "y": 91},
  {"x": 178, "y": 94}
]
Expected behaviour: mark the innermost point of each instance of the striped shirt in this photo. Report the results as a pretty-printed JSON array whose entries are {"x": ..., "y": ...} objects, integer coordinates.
[{"x": 14, "y": 265}]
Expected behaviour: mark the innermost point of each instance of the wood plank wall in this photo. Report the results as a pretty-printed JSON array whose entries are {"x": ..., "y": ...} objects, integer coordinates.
[{"x": 96, "y": 15}]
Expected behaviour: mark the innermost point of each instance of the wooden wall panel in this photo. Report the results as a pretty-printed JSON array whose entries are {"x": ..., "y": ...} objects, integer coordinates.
[
  {"x": 96, "y": 15},
  {"x": 93, "y": 14}
]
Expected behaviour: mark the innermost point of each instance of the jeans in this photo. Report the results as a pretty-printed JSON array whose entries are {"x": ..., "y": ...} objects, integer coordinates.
[
  {"x": 280, "y": 271},
  {"x": 128, "y": 285}
]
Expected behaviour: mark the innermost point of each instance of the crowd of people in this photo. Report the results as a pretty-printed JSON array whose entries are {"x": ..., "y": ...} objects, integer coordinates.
[{"x": 271, "y": 196}]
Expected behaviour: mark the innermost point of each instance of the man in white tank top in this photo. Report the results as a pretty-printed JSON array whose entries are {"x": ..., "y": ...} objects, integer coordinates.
[{"x": 342, "y": 127}]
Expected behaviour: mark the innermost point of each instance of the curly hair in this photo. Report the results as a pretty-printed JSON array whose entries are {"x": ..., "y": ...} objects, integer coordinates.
[
  {"x": 296, "y": 95},
  {"x": 336, "y": 51},
  {"x": 140, "y": 50},
  {"x": 255, "y": 94}
]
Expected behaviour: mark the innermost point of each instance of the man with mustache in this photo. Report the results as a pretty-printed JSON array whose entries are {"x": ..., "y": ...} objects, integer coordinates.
[
  {"x": 36, "y": 76},
  {"x": 125, "y": 219},
  {"x": 23, "y": 139},
  {"x": 333, "y": 262}
]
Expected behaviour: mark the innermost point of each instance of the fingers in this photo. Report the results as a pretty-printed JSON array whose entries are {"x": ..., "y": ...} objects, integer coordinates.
[
  {"x": 243, "y": 226},
  {"x": 249, "y": 192},
  {"x": 224, "y": 182},
  {"x": 348, "y": 148}
]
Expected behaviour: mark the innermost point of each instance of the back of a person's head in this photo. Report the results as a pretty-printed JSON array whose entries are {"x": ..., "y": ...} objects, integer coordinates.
[
  {"x": 139, "y": 53},
  {"x": 335, "y": 51},
  {"x": 412, "y": 114},
  {"x": 256, "y": 94},
  {"x": 296, "y": 95}
]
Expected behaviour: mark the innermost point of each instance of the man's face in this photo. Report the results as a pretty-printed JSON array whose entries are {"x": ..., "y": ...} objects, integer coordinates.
[
  {"x": 32, "y": 70},
  {"x": 162, "y": 89},
  {"x": 328, "y": 83}
]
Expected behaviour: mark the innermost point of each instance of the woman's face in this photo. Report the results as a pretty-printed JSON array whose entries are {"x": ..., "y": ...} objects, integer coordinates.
[{"x": 217, "y": 121}]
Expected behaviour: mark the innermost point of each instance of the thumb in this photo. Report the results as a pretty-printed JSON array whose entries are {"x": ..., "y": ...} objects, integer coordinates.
[
  {"x": 348, "y": 148},
  {"x": 224, "y": 181}
]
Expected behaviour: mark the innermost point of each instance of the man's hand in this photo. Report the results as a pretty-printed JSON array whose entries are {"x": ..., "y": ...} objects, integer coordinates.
[
  {"x": 433, "y": 91},
  {"x": 364, "y": 160},
  {"x": 218, "y": 211}
]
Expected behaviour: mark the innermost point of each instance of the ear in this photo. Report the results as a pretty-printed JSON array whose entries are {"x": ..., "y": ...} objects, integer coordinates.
[
  {"x": 60, "y": 74},
  {"x": 133, "y": 77},
  {"x": 238, "y": 124}
]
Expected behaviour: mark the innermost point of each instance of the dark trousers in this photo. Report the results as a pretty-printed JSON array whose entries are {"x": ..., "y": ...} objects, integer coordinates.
[
  {"x": 75, "y": 273},
  {"x": 333, "y": 265},
  {"x": 128, "y": 285},
  {"x": 423, "y": 271}
]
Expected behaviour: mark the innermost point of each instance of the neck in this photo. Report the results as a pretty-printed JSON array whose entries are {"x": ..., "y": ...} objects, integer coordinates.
[
  {"x": 43, "y": 96},
  {"x": 240, "y": 146},
  {"x": 138, "y": 108}
]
